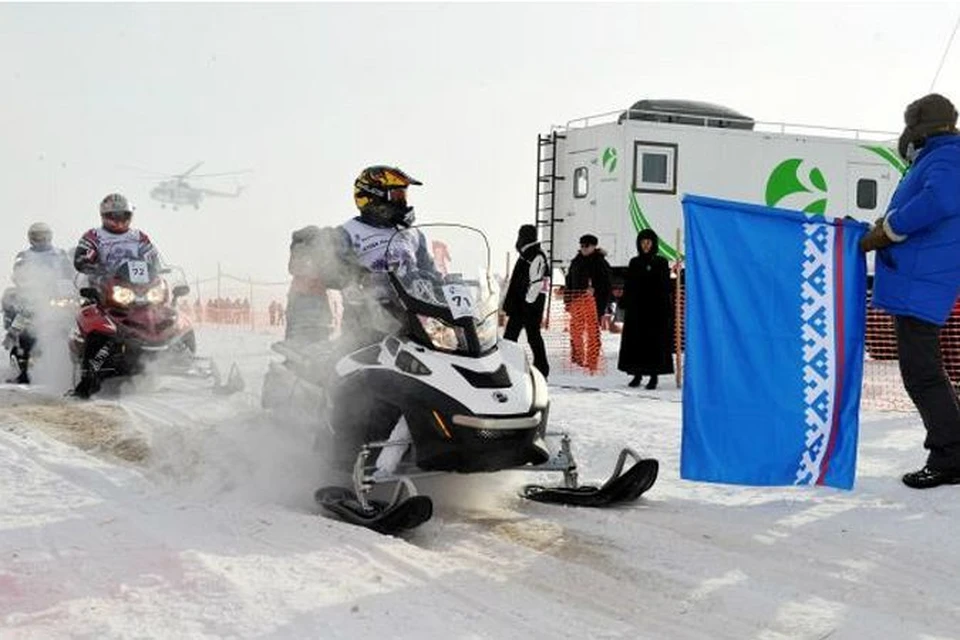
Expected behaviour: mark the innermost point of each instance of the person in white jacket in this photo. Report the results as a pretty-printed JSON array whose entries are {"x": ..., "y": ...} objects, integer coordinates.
[{"x": 526, "y": 296}]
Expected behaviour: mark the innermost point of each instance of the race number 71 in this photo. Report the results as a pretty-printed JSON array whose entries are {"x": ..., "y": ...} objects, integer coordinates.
[{"x": 458, "y": 299}]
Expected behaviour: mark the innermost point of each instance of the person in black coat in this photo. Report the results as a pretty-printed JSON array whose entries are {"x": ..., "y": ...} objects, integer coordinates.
[
  {"x": 647, "y": 328},
  {"x": 526, "y": 296},
  {"x": 590, "y": 272},
  {"x": 587, "y": 284}
]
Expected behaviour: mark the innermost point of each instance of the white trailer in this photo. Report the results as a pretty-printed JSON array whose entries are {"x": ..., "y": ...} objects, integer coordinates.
[{"x": 616, "y": 173}]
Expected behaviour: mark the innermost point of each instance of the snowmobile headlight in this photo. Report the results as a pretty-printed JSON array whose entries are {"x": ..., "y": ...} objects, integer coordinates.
[
  {"x": 123, "y": 295},
  {"x": 442, "y": 335},
  {"x": 157, "y": 294},
  {"x": 62, "y": 302}
]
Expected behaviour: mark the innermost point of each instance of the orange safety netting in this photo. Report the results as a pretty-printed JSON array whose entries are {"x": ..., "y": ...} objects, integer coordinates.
[
  {"x": 573, "y": 340},
  {"x": 882, "y": 385}
]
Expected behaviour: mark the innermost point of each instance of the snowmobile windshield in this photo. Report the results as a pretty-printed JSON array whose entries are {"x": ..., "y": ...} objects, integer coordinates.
[
  {"x": 441, "y": 273},
  {"x": 39, "y": 284}
]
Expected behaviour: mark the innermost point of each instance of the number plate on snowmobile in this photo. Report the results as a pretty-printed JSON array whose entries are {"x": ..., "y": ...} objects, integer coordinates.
[
  {"x": 138, "y": 272},
  {"x": 458, "y": 299}
]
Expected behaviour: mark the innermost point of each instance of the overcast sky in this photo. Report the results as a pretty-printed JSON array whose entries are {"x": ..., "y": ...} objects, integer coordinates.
[{"x": 455, "y": 94}]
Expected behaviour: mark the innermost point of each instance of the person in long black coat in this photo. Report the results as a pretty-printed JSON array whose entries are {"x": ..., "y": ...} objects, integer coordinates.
[{"x": 645, "y": 346}]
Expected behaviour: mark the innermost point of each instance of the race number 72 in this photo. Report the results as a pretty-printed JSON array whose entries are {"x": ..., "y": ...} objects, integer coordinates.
[{"x": 138, "y": 272}]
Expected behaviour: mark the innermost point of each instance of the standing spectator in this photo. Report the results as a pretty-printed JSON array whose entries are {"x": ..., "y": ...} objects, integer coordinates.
[
  {"x": 645, "y": 344},
  {"x": 918, "y": 276},
  {"x": 245, "y": 315},
  {"x": 198, "y": 310},
  {"x": 526, "y": 296},
  {"x": 586, "y": 295},
  {"x": 272, "y": 312}
]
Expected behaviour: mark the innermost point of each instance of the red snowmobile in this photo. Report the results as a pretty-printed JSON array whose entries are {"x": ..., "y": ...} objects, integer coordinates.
[{"x": 129, "y": 320}]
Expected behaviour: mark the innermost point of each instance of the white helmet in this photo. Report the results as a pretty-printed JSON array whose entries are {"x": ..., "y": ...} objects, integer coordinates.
[
  {"x": 40, "y": 235},
  {"x": 115, "y": 203},
  {"x": 115, "y": 213}
]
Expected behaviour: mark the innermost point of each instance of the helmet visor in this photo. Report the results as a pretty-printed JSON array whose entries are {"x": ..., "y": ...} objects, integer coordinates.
[
  {"x": 117, "y": 216},
  {"x": 40, "y": 237},
  {"x": 397, "y": 195}
]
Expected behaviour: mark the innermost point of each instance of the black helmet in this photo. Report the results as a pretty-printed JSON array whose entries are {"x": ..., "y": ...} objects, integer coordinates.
[{"x": 380, "y": 193}]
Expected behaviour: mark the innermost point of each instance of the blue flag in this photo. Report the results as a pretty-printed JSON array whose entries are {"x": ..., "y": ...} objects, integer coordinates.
[{"x": 775, "y": 320}]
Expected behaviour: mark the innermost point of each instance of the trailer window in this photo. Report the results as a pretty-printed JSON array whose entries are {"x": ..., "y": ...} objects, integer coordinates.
[
  {"x": 654, "y": 167},
  {"x": 866, "y": 194},
  {"x": 581, "y": 182}
]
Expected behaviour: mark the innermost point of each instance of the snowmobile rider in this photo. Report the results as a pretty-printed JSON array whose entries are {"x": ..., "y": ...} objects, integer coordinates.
[
  {"x": 353, "y": 258},
  {"x": 99, "y": 253},
  {"x": 102, "y": 249},
  {"x": 380, "y": 193},
  {"x": 308, "y": 308},
  {"x": 40, "y": 273}
]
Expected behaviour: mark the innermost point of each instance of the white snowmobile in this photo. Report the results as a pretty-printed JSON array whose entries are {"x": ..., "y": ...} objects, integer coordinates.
[
  {"x": 435, "y": 392},
  {"x": 44, "y": 306}
]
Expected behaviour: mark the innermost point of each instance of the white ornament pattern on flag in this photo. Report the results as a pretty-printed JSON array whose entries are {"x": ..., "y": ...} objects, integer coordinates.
[{"x": 819, "y": 348}]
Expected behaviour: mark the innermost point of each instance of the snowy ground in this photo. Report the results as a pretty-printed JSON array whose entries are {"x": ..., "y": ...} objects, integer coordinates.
[{"x": 175, "y": 513}]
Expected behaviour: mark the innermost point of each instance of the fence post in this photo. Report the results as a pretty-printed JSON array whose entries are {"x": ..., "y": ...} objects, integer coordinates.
[
  {"x": 679, "y": 301},
  {"x": 253, "y": 322}
]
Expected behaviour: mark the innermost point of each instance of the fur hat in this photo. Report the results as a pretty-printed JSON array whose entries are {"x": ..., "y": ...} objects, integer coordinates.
[
  {"x": 925, "y": 116},
  {"x": 589, "y": 240}
]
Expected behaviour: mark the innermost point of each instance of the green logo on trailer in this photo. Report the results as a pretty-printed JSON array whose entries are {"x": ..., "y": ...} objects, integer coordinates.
[
  {"x": 792, "y": 185},
  {"x": 609, "y": 159}
]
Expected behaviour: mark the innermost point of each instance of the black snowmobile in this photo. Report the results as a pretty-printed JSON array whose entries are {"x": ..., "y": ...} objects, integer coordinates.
[{"x": 434, "y": 391}]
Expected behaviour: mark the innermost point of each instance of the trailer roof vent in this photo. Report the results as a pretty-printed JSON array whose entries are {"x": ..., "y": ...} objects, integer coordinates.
[{"x": 690, "y": 112}]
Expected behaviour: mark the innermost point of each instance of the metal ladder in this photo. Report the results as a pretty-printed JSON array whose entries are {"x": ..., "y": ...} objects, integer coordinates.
[
  {"x": 547, "y": 180},
  {"x": 546, "y": 218}
]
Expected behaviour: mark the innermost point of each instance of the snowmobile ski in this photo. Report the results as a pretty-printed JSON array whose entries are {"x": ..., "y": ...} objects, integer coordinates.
[
  {"x": 623, "y": 486},
  {"x": 381, "y": 516}
]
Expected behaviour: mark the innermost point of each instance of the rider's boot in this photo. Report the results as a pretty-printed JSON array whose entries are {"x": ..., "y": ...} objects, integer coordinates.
[{"x": 95, "y": 355}]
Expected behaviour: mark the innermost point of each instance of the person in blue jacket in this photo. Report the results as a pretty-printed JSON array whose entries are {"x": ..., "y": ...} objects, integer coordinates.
[{"x": 917, "y": 276}]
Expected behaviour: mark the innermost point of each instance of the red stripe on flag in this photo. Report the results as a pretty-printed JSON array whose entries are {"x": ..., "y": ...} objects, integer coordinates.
[{"x": 838, "y": 324}]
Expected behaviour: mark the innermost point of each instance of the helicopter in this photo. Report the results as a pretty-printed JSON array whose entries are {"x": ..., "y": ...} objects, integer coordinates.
[{"x": 174, "y": 190}]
